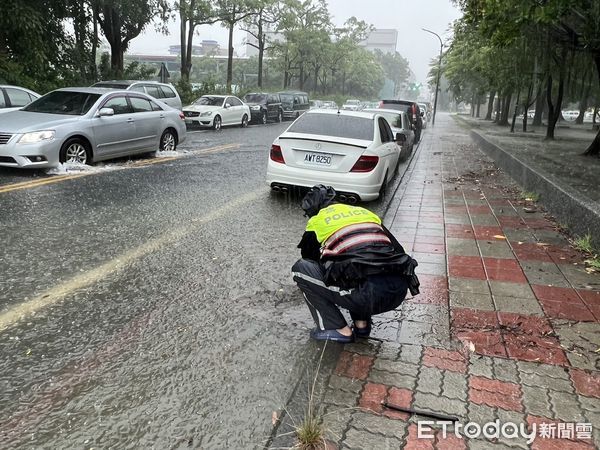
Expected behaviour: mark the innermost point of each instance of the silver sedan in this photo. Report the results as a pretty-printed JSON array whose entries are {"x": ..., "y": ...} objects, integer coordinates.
[{"x": 83, "y": 125}]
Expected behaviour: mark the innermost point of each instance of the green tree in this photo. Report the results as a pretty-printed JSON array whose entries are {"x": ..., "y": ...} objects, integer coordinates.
[
  {"x": 395, "y": 67},
  {"x": 268, "y": 14},
  {"x": 123, "y": 20},
  {"x": 229, "y": 13},
  {"x": 192, "y": 13}
]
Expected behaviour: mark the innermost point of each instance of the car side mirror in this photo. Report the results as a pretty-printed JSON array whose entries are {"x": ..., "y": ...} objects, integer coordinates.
[
  {"x": 106, "y": 112},
  {"x": 401, "y": 138}
]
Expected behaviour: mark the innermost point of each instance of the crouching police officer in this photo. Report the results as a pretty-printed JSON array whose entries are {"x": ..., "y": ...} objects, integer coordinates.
[{"x": 350, "y": 260}]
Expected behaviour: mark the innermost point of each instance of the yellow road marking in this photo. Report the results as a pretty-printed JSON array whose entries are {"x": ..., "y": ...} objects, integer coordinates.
[
  {"x": 52, "y": 296},
  {"x": 36, "y": 183},
  {"x": 141, "y": 163}
]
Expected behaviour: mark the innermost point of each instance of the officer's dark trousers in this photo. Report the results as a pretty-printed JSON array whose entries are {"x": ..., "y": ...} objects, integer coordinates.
[{"x": 377, "y": 294}]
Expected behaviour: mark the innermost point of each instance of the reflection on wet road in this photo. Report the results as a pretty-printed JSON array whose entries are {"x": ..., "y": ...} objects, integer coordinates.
[{"x": 150, "y": 304}]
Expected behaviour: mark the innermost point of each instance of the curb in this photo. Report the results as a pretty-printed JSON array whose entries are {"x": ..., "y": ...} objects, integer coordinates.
[{"x": 569, "y": 207}]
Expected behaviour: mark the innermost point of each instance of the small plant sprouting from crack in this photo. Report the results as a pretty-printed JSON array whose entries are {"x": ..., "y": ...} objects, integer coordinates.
[
  {"x": 530, "y": 196},
  {"x": 584, "y": 243},
  {"x": 311, "y": 431}
]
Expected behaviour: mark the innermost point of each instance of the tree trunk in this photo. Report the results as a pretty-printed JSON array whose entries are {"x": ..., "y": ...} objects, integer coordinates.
[
  {"x": 261, "y": 53},
  {"x": 488, "y": 115},
  {"x": 594, "y": 148},
  {"x": 583, "y": 104},
  {"x": 554, "y": 110},
  {"x": 540, "y": 107},
  {"x": 514, "y": 118},
  {"x": 185, "y": 75},
  {"x": 230, "y": 58},
  {"x": 94, "y": 40},
  {"x": 505, "y": 109},
  {"x": 478, "y": 106},
  {"x": 473, "y": 105}
]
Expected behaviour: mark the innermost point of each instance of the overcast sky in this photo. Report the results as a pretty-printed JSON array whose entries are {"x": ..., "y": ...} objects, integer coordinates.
[{"x": 407, "y": 16}]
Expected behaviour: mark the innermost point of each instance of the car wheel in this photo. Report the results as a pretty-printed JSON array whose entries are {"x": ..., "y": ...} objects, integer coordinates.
[
  {"x": 280, "y": 117},
  {"x": 244, "y": 121},
  {"x": 264, "y": 118},
  {"x": 217, "y": 123},
  {"x": 168, "y": 141},
  {"x": 75, "y": 150}
]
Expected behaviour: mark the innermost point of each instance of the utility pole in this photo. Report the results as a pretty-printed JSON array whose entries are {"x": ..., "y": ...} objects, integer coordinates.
[{"x": 437, "y": 84}]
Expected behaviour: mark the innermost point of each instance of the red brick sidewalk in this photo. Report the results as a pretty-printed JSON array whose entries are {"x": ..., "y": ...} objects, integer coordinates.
[{"x": 506, "y": 326}]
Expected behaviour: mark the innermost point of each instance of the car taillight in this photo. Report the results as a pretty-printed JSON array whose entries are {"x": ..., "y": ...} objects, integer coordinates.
[
  {"x": 381, "y": 103},
  {"x": 365, "y": 163},
  {"x": 181, "y": 116},
  {"x": 277, "y": 154}
]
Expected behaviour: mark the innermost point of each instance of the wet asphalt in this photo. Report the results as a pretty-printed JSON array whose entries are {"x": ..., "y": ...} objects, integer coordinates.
[{"x": 151, "y": 305}]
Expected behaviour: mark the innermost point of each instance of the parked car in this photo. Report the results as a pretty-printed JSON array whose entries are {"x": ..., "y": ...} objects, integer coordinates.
[
  {"x": 330, "y": 105},
  {"x": 400, "y": 124},
  {"x": 589, "y": 116},
  {"x": 355, "y": 152},
  {"x": 15, "y": 97},
  {"x": 84, "y": 125},
  {"x": 570, "y": 116},
  {"x": 295, "y": 103},
  {"x": 316, "y": 104},
  {"x": 164, "y": 92},
  {"x": 425, "y": 114},
  {"x": 217, "y": 111},
  {"x": 264, "y": 107},
  {"x": 352, "y": 105},
  {"x": 409, "y": 107}
]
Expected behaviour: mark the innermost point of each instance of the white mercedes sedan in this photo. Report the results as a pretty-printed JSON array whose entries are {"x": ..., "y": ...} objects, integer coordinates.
[
  {"x": 216, "y": 111},
  {"x": 355, "y": 152}
]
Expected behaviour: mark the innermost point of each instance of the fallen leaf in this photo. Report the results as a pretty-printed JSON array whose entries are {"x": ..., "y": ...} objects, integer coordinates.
[
  {"x": 471, "y": 347},
  {"x": 499, "y": 236},
  {"x": 274, "y": 418},
  {"x": 28, "y": 352}
]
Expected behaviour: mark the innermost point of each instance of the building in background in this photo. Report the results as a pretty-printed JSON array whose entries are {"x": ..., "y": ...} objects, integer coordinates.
[
  {"x": 207, "y": 47},
  {"x": 381, "y": 39}
]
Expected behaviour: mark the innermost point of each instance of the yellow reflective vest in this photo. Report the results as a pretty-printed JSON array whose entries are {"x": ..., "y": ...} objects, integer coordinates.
[{"x": 331, "y": 219}]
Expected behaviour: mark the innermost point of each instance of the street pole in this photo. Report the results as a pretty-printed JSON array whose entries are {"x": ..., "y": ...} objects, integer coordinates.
[{"x": 437, "y": 84}]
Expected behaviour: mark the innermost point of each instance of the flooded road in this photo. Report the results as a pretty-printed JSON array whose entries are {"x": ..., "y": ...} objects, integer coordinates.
[{"x": 149, "y": 304}]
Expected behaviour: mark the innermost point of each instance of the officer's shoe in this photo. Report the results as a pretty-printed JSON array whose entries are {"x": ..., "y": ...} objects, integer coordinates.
[
  {"x": 363, "y": 332},
  {"x": 331, "y": 335}
]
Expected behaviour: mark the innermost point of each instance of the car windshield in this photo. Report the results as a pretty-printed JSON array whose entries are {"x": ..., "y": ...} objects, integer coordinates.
[
  {"x": 207, "y": 100},
  {"x": 255, "y": 98},
  {"x": 64, "y": 102},
  {"x": 395, "y": 120},
  {"x": 334, "y": 125}
]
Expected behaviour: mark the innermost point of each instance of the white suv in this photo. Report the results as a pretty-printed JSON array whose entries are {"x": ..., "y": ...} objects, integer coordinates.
[{"x": 166, "y": 93}]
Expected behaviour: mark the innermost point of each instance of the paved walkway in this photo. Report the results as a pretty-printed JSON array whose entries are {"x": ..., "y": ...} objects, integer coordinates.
[{"x": 506, "y": 326}]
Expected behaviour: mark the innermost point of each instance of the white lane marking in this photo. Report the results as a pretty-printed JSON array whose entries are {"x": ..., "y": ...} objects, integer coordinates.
[{"x": 52, "y": 296}]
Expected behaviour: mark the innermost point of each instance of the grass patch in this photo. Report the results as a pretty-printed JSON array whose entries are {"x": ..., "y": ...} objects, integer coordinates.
[
  {"x": 530, "y": 196},
  {"x": 594, "y": 263},
  {"x": 584, "y": 243},
  {"x": 311, "y": 431}
]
